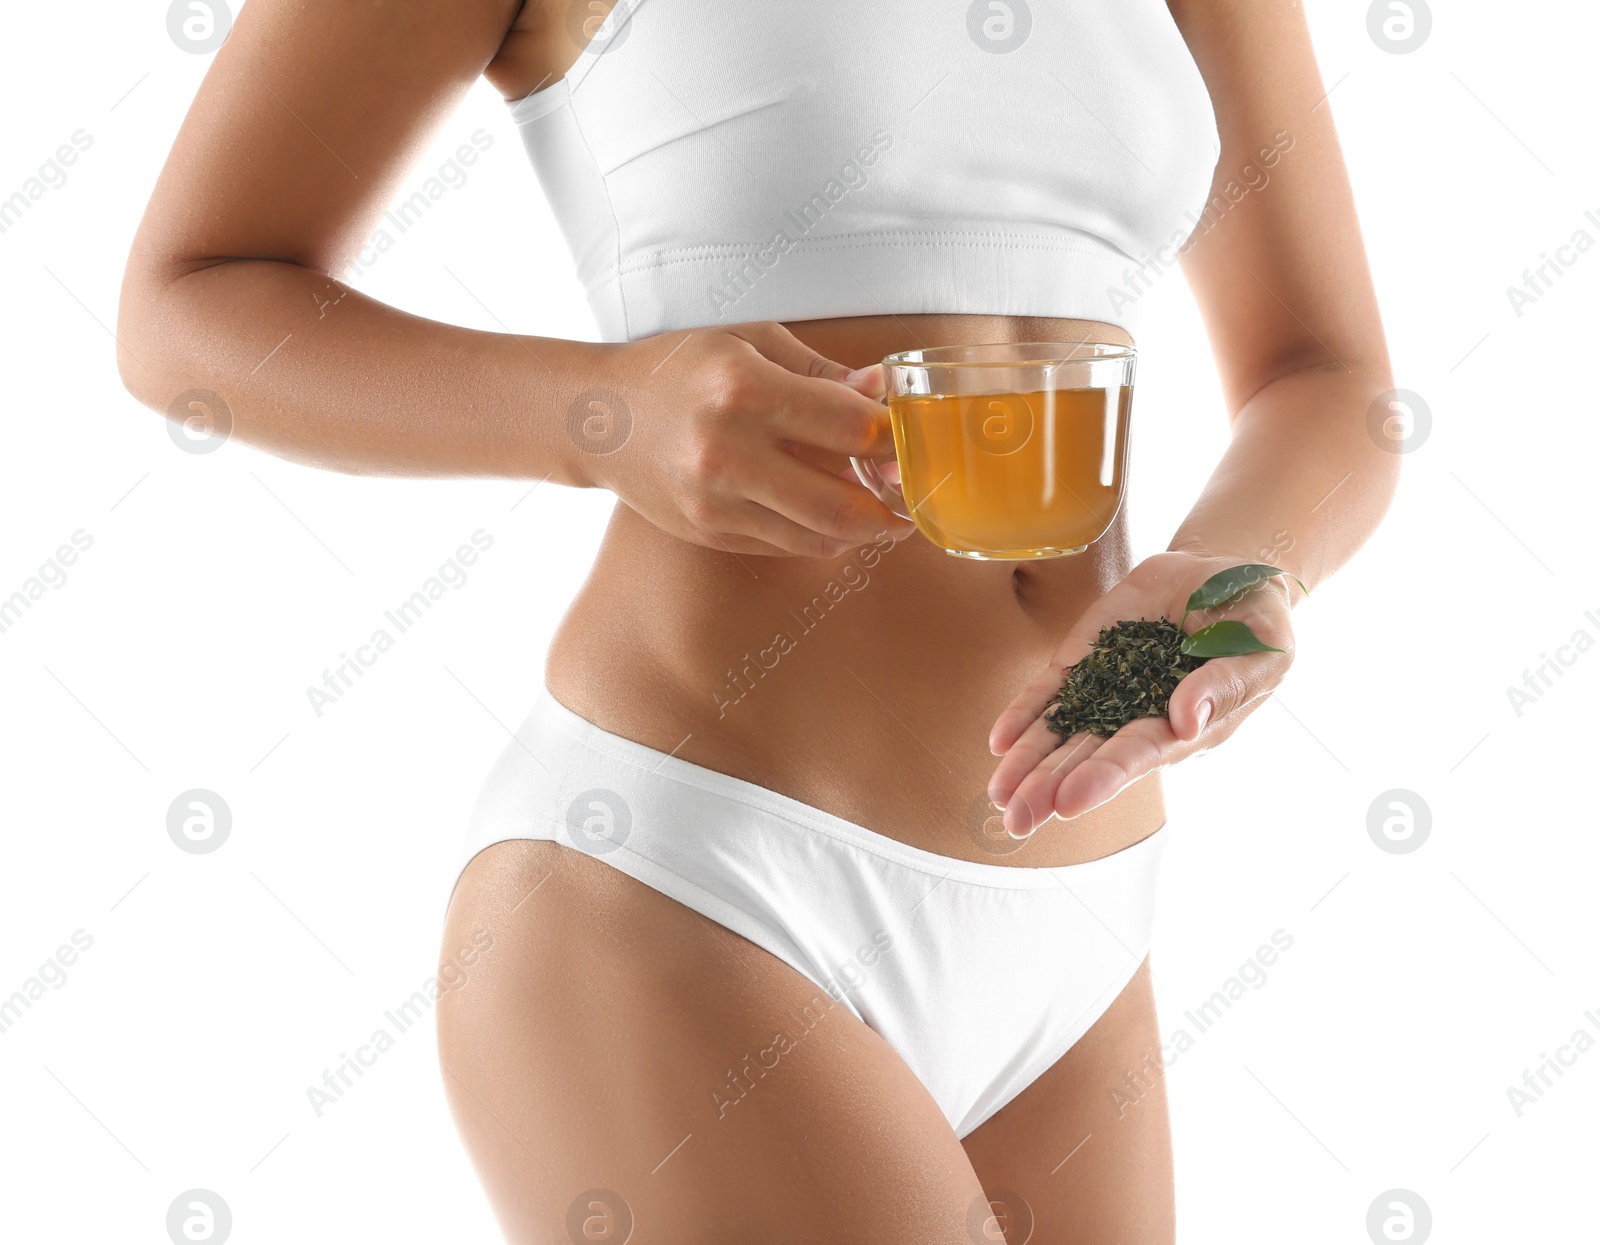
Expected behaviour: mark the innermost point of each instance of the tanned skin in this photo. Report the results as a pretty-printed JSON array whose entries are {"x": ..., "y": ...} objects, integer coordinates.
[{"x": 583, "y": 1051}]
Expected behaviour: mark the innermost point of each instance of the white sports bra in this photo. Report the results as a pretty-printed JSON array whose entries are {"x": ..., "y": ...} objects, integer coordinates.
[{"x": 717, "y": 161}]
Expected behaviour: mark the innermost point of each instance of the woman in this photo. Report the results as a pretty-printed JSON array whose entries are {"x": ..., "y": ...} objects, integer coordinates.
[{"x": 794, "y": 984}]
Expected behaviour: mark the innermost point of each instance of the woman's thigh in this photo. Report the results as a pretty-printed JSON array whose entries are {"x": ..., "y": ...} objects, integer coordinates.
[
  {"x": 1084, "y": 1154},
  {"x": 617, "y": 1062}
]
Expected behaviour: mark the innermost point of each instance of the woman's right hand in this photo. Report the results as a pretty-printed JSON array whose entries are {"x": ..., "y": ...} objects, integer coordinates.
[{"x": 738, "y": 438}]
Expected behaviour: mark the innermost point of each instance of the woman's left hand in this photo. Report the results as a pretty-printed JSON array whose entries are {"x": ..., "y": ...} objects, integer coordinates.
[{"x": 1041, "y": 774}]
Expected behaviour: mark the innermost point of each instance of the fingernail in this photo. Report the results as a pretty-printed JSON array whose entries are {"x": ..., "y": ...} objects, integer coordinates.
[
  {"x": 1020, "y": 834},
  {"x": 997, "y": 806},
  {"x": 860, "y": 373},
  {"x": 1204, "y": 716}
]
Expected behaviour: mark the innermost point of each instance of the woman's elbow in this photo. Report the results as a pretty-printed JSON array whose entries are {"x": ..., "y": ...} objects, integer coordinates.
[{"x": 141, "y": 361}]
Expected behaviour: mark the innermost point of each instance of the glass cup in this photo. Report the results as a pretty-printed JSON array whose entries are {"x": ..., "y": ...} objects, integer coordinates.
[{"x": 1007, "y": 451}]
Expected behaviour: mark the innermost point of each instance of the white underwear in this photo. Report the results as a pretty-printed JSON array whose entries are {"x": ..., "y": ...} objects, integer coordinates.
[{"x": 981, "y": 976}]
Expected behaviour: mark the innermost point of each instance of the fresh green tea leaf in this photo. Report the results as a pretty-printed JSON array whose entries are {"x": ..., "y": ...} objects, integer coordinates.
[
  {"x": 1229, "y": 638},
  {"x": 1225, "y": 585}
]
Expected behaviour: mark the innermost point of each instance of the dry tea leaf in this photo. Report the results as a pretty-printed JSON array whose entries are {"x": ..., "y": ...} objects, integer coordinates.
[
  {"x": 1135, "y": 666},
  {"x": 1130, "y": 673}
]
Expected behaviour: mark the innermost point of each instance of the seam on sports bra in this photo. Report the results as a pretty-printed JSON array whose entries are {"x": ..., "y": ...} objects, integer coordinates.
[{"x": 846, "y": 242}]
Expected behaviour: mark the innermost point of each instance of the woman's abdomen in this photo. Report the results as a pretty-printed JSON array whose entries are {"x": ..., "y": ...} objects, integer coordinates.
[{"x": 863, "y": 685}]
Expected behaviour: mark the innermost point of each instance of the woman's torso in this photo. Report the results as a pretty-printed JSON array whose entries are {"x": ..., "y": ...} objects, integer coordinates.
[{"x": 865, "y": 685}]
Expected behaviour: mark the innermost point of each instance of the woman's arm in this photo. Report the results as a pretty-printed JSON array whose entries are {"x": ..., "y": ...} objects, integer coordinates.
[
  {"x": 306, "y": 122},
  {"x": 1282, "y": 283},
  {"x": 291, "y": 151}
]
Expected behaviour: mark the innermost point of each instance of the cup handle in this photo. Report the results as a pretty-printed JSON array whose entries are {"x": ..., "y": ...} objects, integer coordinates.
[{"x": 867, "y": 472}]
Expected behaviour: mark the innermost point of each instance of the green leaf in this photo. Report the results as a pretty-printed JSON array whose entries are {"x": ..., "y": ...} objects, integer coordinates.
[
  {"x": 1225, "y": 585},
  {"x": 1228, "y": 638}
]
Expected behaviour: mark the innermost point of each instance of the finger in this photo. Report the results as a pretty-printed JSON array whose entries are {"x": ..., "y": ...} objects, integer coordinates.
[
  {"x": 1027, "y": 706},
  {"x": 1032, "y": 803},
  {"x": 814, "y": 400},
  {"x": 1218, "y": 688},
  {"x": 1023, "y": 712},
  {"x": 835, "y": 508},
  {"x": 869, "y": 380},
  {"x": 1036, "y": 742},
  {"x": 829, "y": 416},
  {"x": 796, "y": 539},
  {"x": 732, "y": 542},
  {"x": 697, "y": 533},
  {"x": 1029, "y": 703},
  {"x": 790, "y": 353},
  {"x": 1138, "y": 749},
  {"x": 1077, "y": 780},
  {"x": 1223, "y": 685}
]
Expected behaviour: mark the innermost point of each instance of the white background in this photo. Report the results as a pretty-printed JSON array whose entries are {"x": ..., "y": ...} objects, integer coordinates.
[{"x": 218, "y": 587}]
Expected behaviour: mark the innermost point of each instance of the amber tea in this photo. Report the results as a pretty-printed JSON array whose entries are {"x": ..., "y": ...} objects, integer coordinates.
[
  {"x": 1012, "y": 474},
  {"x": 1008, "y": 451}
]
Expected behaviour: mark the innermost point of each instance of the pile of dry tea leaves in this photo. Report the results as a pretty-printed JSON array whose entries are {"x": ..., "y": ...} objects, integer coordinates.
[
  {"x": 1135, "y": 666},
  {"x": 1130, "y": 673}
]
